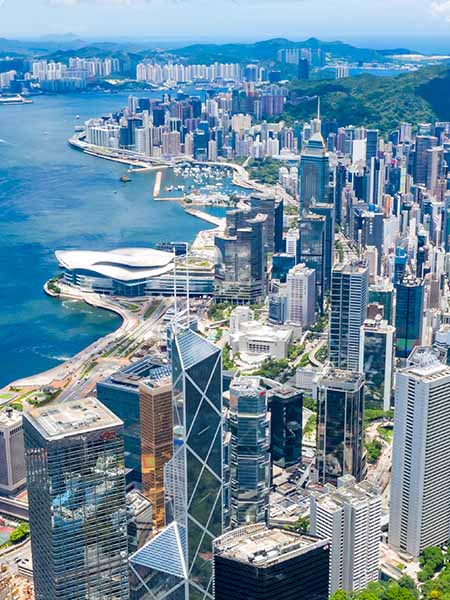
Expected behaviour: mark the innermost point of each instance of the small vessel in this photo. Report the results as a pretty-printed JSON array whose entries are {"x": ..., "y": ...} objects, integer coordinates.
[
  {"x": 125, "y": 179},
  {"x": 18, "y": 99}
]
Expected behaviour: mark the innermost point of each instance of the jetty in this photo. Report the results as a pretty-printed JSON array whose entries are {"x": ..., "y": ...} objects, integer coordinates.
[
  {"x": 158, "y": 181},
  {"x": 201, "y": 214}
]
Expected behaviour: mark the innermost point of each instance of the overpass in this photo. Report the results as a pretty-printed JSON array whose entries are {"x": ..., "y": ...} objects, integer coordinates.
[{"x": 14, "y": 508}]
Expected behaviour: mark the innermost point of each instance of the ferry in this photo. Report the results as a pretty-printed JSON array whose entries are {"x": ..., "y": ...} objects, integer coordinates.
[{"x": 18, "y": 99}]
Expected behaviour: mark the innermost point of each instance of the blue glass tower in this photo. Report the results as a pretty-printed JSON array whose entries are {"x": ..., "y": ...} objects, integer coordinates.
[
  {"x": 314, "y": 173},
  {"x": 181, "y": 567},
  {"x": 408, "y": 315}
]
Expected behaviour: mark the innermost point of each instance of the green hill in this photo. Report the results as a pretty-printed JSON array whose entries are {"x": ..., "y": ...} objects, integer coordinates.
[{"x": 379, "y": 102}]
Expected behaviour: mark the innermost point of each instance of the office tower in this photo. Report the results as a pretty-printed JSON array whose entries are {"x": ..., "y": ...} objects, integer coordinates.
[
  {"x": 155, "y": 396},
  {"x": 257, "y": 562},
  {"x": 382, "y": 292},
  {"x": 249, "y": 425},
  {"x": 423, "y": 144},
  {"x": 349, "y": 299},
  {"x": 350, "y": 518},
  {"x": 408, "y": 315},
  {"x": 420, "y": 485},
  {"x": 340, "y": 425},
  {"x": 120, "y": 393},
  {"x": 177, "y": 562},
  {"x": 286, "y": 425},
  {"x": 74, "y": 454},
  {"x": 376, "y": 360},
  {"x": 301, "y": 296},
  {"x": 311, "y": 250},
  {"x": 314, "y": 173},
  {"x": 435, "y": 167},
  {"x": 12, "y": 458},
  {"x": 281, "y": 265},
  {"x": 372, "y": 144},
  {"x": 303, "y": 69},
  {"x": 327, "y": 211},
  {"x": 241, "y": 269},
  {"x": 273, "y": 208}
]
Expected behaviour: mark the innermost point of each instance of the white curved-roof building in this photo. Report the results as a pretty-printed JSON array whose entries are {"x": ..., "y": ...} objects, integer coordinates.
[{"x": 132, "y": 272}]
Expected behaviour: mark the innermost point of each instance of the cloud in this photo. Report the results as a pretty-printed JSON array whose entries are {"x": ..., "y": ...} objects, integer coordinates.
[{"x": 441, "y": 9}]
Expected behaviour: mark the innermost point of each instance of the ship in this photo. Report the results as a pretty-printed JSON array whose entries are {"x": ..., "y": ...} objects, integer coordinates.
[
  {"x": 125, "y": 179},
  {"x": 18, "y": 99}
]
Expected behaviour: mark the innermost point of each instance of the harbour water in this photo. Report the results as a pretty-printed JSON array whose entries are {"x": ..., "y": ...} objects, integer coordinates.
[{"x": 53, "y": 197}]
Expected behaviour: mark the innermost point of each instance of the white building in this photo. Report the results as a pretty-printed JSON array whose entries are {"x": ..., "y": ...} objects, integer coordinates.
[
  {"x": 292, "y": 241},
  {"x": 420, "y": 487},
  {"x": 255, "y": 338},
  {"x": 240, "y": 315},
  {"x": 12, "y": 457},
  {"x": 350, "y": 517},
  {"x": 301, "y": 299}
]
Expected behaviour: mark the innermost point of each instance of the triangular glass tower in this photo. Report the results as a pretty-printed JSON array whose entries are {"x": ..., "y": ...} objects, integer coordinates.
[{"x": 193, "y": 478}]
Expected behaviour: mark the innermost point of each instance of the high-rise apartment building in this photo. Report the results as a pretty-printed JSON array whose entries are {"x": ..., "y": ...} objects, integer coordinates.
[
  {"x": 286, "y": 425},
  {"x": 76, "y": 493},
  {"x": 177, "y": 563},
  {"x": 156, "y": 442},
  {"x": 349, "y": 299},
  {"x": 340, "y": 425},
  {"x": 249, "y": 425},
  {"x": 350, "y": 518},
  {"x": 301, "y": 296},
  {"x": 376, "y": 361},
  {"x": 420, "y": 485},
  {"x": 261, "y": 563}
]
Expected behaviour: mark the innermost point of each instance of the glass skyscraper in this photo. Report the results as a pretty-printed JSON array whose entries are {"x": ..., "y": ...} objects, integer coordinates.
[
  {"x": 340, "y": 425},
  {"x": 311, "y": 250},
  {"x": 286, "y": 415},
  {"x": 314, "y": 173},
  {"x": 249, "y": 425},
  {"x": 76, "y": 492},
  {"x": 177, "y": 563},
  {"x": 408, "y": 315}
]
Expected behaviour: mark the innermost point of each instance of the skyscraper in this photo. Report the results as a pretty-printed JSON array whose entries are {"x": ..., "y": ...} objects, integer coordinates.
[
  {"x": 241, "y": 270},
  {"x": 349, "y": 298},
  {"x": 340, "y": 425},
  {"x": 382, "y": 292},
  {"x": 261, "y": 563},
  {"x": 314, "y": 173},
  {"x": 301, "y": 296},
  {"x": 376, "y": 360},
  {"x": 311, "y": 250},
  {"x": 420, "y": 486},
  {"x": 249, "y": 425},
  {"x": 177, "y": 563},
  {"x": 12, "y": 458},
  {"x": 350, "y": 518},
  {"x": 286, "y": 425},
  {"x": 76, "y": 491},
  {"x": 156, "y": 442},
  {"x": 423, "y": 144},
  {"x": 408, "y": 315}
]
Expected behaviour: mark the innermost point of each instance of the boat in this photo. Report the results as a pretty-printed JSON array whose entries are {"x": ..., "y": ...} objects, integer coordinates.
[
  {"x": 125, "y": 179},
  {"x": 18, "y": 99}
]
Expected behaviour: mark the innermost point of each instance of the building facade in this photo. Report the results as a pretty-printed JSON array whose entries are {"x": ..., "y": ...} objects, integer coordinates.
[
  {"x": 409, "y": 315},
  {"x": 420, "y": 487},
  {"x": 76, "y": 493},
  {"x": 261, "y": 563},
  {"x": 350, "y": 517},
  {"x": 12, "y": 454},
  {"x": 301, "y": 296},
  {"x": 249, "y": 425},
  {"x": 340, "y": 426},
  {"x": 286, "y": 426}
]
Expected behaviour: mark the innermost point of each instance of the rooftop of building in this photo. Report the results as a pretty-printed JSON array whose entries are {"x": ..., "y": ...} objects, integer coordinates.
[
  {"x": 351, "y": 267},
  {"x": 348, "y": 492},
  {"x": 247, "y": 385},
  {"x": 268, "y": 333},
  {"x": 424, "y": 363},
  {"x": 57, "y": 421},
  {"x": 10, "y": 418},
  {"x": 378, "y": 324},
  {"x": 124, "y": 264},
  {"x": 284, "y": 392},
  {"x": 148, "y": 369},
  {"x": 340, "y": 378},
  {"x": 262, "y": 546},
  {"x": 137, "y": 503}
]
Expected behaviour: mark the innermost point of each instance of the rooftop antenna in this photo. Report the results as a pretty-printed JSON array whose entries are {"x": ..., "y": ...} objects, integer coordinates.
[{"x": 318, "y": 108}]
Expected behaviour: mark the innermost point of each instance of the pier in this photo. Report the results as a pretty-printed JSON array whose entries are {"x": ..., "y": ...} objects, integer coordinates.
[
  {"x": 201, "y": 214},
  {"x": 158, "y": 181}
]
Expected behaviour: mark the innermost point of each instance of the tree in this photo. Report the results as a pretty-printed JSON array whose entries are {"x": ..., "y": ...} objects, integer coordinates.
[{"x": 339, "y": 595}]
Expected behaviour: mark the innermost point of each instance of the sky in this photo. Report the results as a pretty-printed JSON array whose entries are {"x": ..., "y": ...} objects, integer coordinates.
[{"x": 363, "y": 21}]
